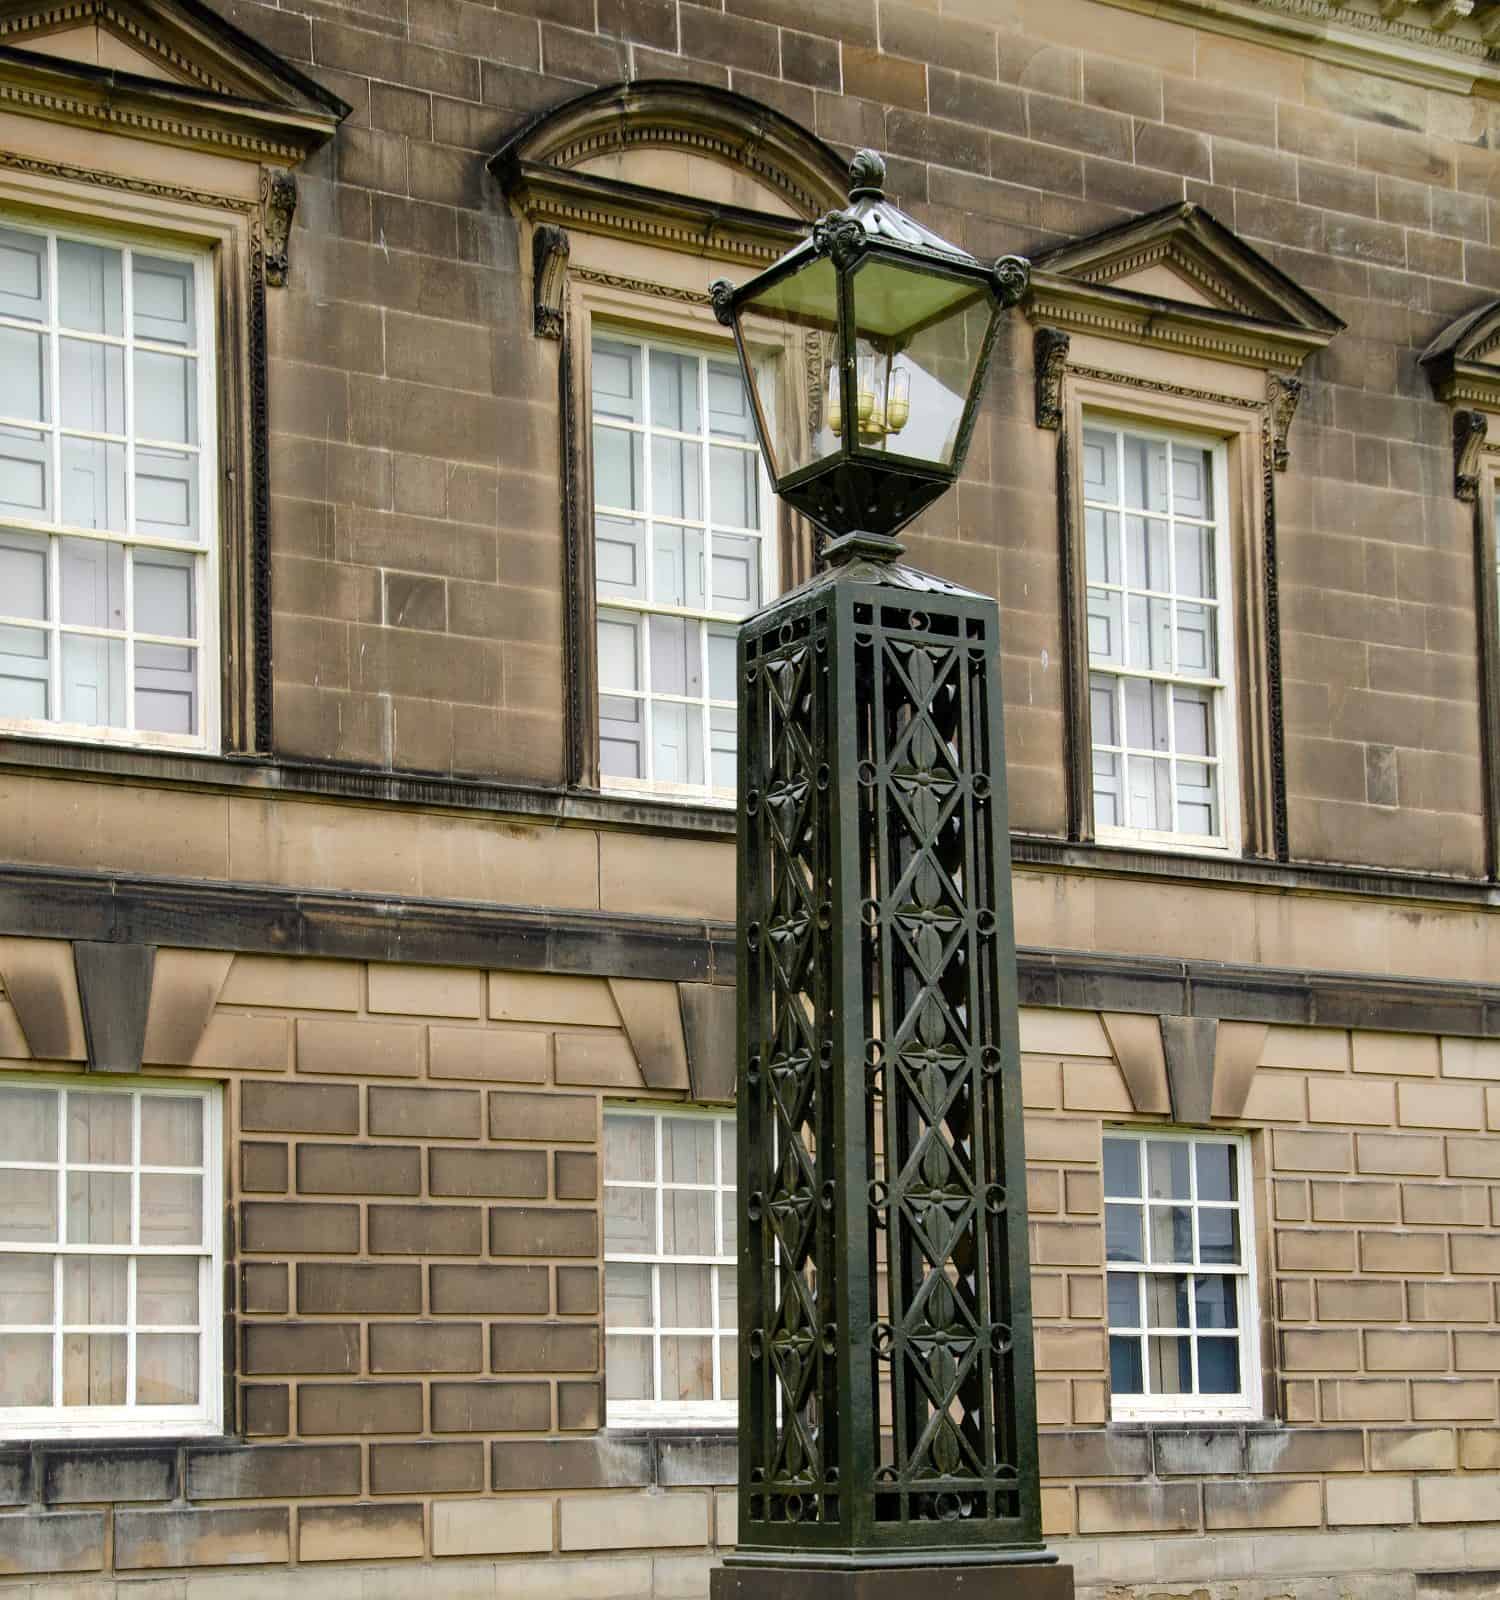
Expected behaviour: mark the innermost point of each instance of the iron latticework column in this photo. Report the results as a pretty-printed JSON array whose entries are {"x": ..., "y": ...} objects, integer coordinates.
[{"x": 887, "y": 1403}]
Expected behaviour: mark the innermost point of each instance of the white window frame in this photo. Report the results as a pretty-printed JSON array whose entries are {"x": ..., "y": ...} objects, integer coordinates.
[
  {"x": 131, "y": 1421},
  {"x": 674, "y": 1413},
  {"x": 1222, "y": 688},
  {"x": 704, "y": 350},
  {"x": 204, "y": 552},
  {"x": 1247, "y": 1405}
]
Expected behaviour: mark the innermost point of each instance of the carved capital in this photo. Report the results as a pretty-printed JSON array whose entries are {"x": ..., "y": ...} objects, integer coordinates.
[
  {"x": 549, "y": 275},
  {"x": 1282, "y": 395},
  {"x": 1050, "y": 354},
  {"x": 1469, "y": 431},
  {"x": 278, "y": 204}
]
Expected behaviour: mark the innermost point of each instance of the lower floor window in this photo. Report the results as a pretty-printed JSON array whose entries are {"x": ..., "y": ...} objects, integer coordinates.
[
  {"x": 670, "y": 1313},
  {"x": 108, "y": 1258},
  {"x": 1181, "y": 1290}
]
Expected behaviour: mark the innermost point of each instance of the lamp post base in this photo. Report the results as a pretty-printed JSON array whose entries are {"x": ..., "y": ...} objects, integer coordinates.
[{"x": 988, "y": 1581}]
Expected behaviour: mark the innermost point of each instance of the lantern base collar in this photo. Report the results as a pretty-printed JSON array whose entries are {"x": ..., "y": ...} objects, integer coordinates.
[
  {"x": 1041, "y": 1579},
  {"x": 862, "y": 546}
]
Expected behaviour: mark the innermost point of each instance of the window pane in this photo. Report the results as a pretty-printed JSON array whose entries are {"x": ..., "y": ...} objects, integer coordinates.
[
  {"x": 1171, "y": 1234},
  {"x": 1145, "y": 474},
  {"x": 1150, "y": 633},
  {"x": 617, "y": 469},
  {"x": 729, "y": 1368},
  {"x": 676, "y": 742},
  {"x": 1218, "y": 1171},
  {"x": 619, "y": 562},
  {"x": 1166, "y": 1301},
  {"x": 676, "y": 478},
  {"x": 1192, "y": 713},
  {"x": 26, "y": 1289},
  {"x": 28, "y": 1124},
  {"x": 686, "y": 1297},
  {"x": 1150, "y": 793},
  {"x": 1125, "y": 1365},
  {"x": 736, "y": 573},
  {"x": 171, "y": 1209},
  {"x": 1100, "y": 465},
  {"x": 727, "y": 1152},
  {"x": 1124, "y": 1300},
  {"x": 1171, "y": 1365},
  {"x": 687, "y": 1370},
  {"x": 93, "y": 1369},
  {"x": 166, "y": 1290},
  {"x": 728, "y": 402},
  {"x": 166, "y": 397},
  {"x": 24, "y": 478},
  {"x": 99, "y": 1128},
  {"x": 1192, "y": 481},
  {"x": 166, "y": 689},
  {"x": 23, "y": 672},
  {"x": 167, "y": 1372},
  {"x": 1122, "y": 1168},
  {"x": 1122, "y": 1233},
  {"x": 1195, "y": 561},
  {"x": 23, "y": 275},
  {"x": 687, "y": 1223},
  {"x": 1215, "y": 1302},
  {"x": 98, "y": 1208},
  {"x": 674, "y": 391},
  {"x": 616, "y": 380},
  {"x": 731, "y": 1226},
  {"x": 23, "y": 575},
  {"x": 1106, "y": 633},
  {"x": 25, "y": 1365},
  {"x": 677, "y": 565},
  {"x": 166, "y": 493},
  {"x": 28, "y": 1206},
  {"x": 164, "y": 594},
  {"x": 90, "y": 287},
  {"x": 723, "y": 670},
  {"x": 93, "y": 484},
  {"x": 95, "y": 1291},
  {"x": 627, "y": 1295},
  {"x": 1219, "y": 1366},
  {"x": 723, "y": 749},
  {"x": 1146, "y": 554},
  {"x": 619, "y": 651},
  {"x": 163, "y": 294},
  {"x": 93, "y": 386},
  {"x": 1167, "y": 1169},
  {"x": 629, "y": 1221},
  {"x": 1102, "y": 545},
  {"x": 621, "y": 737},
  {"x": 734, "y": 485},
  {"x": 1146, "y": 715},
  {"x": 627, "y": 1368},
  {"x": 93, "y": 680},
  {"x": 23, "y": 372},
  {"x": 687, "y": 1149},
  {"x": 1219, "y": 1237},
  {"x": 93, "y": 583},
  {"x": 1197, "y": 640},
  {"x": 729, "y": 1302},
  {"x": 630, "y": 1148}
]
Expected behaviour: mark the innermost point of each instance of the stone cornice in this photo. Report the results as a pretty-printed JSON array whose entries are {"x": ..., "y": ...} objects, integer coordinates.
[{"x": 1421, "y": 43}]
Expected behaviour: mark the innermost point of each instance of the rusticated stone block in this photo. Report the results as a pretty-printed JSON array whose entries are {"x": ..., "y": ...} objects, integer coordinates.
[
  {"x": 1197, "y": 1452},
  {"x": 312, "y": 1347},
  {"x": 1138, "y": 1508},
  {"x": 362, "y": 1049},
  {"x": 1263, "y": 1505},
  {"x": 491, "y": 1408},
  {"x": 263, "y": 1287},
  {"x": 15, "y": 1477},
  {"x": 1088, "y": 1453},
  {"x": 577, "y": 1291},
  {"x": 543, "y": 1347},
  {"x": 608, "y": 1461},
  {"x": 263, "y": 1168},
  {"x": 359, "y": 1533},
  {"x": 514, "y": 1056},
  {"x": 221, "y": 1536},
  {"x": 86, "y": 1476},
  {"x": 269, "y": 1471},
  {"x": 1413, "y": 1450},
  {"x": 299, "y": 1107},
  {"x": 577, "y": 1174},
  {"x": 1305, "y": 1450},
  {"x": 544, "y": 1118},
  {"x": 425, "y": 1113},
  {"x": 543, "y": 1231},
  {"x": 1472, "y": 1497},
  {"x": 633, "y": 1522},
  {"x": 324, "y": 1408},
  {"x": 491, "y": 1527},
  {"x": 51, "y": 1541},
  {"x": 289, "y": 1227},
  {"x": 359, "y": 1169},
  {"x": 498, "y": 1174},
  {"x": 580, "y": 1407},
  {"x": 324, "y": 1288},
  {"x": 426, "y": 1347},
  {"x": 427, "y": 1469},
  {"x": 426, "y": 1230},
  {"x": 504, "y": 1291},
  {"x": 266, "y": 1408}
]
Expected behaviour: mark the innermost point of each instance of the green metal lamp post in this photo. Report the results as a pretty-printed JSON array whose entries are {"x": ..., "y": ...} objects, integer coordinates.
[{"x": 887, "y": 1402}]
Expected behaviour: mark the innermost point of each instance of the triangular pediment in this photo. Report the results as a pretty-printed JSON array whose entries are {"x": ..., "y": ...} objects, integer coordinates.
[
  {"x": 1180, "y": 277},
  {"x": 170, "y": 70},
  {"x": 1463, "y": 362}
]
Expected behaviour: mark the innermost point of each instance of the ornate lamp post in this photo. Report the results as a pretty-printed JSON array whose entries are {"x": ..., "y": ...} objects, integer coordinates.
[{"x": 887, "y": 1404}]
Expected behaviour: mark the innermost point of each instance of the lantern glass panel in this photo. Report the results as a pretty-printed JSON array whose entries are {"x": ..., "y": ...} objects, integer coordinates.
[
  {"x": 794, "y": 322},
  {"x": 919, "y": 341}
]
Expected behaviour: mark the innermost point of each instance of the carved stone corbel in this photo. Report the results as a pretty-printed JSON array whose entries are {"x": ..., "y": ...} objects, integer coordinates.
[
  {"x": 1050, "y": 354},
  {"x": 1470, "y": 429},
  {"x": 1282, "y": 394},
  {"x": 278, "y": 204},
  {"x": 549, "y": 272}
]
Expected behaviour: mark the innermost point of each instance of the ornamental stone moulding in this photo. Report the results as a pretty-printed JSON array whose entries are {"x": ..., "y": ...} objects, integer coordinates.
[{"x": 1463, "y": 367}]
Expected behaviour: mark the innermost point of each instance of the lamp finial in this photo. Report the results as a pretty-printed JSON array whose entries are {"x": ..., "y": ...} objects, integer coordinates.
[{"x": 866, "y": 176}]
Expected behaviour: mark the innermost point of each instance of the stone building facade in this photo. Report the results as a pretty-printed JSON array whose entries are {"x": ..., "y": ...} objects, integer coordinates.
[{"x": 376, "y": 499}]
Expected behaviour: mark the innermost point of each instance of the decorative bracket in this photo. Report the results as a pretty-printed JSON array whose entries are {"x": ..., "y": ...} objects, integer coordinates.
[
  {"x": 549, "y": 270},
  {"x": 1470, "y": 428},
  {"x": 1282, "y": 394},
  {"x": 1050, "y": 348},
  {"x": 278, "y": 204}
]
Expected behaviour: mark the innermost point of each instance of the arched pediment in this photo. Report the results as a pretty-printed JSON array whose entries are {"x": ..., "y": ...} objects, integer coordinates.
[
  {"x": 1463, "y": 362},
  {"x": 1179, "y": 278},
  {"x": 688, "y": 166}
]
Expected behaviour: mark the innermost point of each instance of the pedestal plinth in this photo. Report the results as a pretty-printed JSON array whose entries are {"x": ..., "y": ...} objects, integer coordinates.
[{"x": 989, "y": 1581}]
